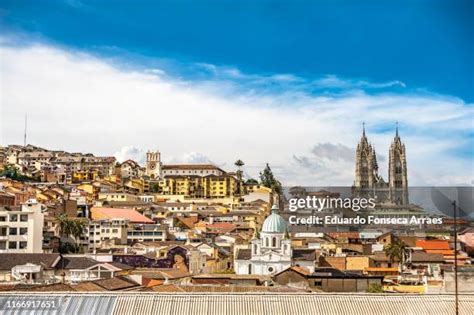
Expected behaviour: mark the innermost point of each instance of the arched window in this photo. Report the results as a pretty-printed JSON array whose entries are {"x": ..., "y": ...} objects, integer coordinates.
[
  {"x": 274, "y": 242},
  {"x": 250, "y": 269},
  {"x": 267, "y": 242},
  {"x": 255, "y": 248}
]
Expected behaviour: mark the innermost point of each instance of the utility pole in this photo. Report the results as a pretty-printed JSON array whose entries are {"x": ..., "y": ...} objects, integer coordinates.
[
  {"x": 24, "y": 135},
  {"x": 456, "y": 297}
]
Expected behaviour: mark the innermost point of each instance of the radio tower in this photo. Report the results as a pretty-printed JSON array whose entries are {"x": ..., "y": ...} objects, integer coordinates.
[{"x": 24, "y": 136}]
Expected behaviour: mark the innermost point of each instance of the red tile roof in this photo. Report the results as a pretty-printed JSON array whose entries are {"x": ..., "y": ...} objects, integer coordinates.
[
  {"x": 119, "y": 213},
  {"x": 433, "y": 244}
]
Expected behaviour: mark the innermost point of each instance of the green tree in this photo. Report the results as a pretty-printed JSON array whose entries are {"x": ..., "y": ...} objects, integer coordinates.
[
  {"x": 252, "y": 181},
  {"x": 239, "y": 163},
  {"x": 396, "y": 251},
  {"x": 268, "y": 179},
  {"x": 70, "y": 228},
  {"x": 154, "y": 187}
]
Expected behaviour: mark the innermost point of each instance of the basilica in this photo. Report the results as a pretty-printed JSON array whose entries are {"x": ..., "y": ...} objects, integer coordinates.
[
  {"x": 271, "y": 251},
  {"x": 369, "y": 184}
]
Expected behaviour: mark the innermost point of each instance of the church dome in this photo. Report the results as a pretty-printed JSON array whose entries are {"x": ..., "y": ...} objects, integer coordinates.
[{"x": 274, "y": 223}]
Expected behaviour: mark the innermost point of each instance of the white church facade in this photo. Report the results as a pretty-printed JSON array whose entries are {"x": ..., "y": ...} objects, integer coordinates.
[{"x": 271, "y": 251}]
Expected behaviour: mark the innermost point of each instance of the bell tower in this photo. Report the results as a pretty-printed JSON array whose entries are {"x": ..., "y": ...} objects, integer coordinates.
[
  {"x": 366, "y": 173},
  {"x": 153, "y": 164},
  {"x": 397, "y": 171}
]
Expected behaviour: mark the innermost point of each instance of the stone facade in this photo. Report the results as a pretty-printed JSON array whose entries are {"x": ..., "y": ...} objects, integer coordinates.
[{"x": 369, "y": 184}]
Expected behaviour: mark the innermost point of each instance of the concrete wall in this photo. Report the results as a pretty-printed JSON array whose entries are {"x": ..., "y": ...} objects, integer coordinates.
[{"x": 465, "y": 281}]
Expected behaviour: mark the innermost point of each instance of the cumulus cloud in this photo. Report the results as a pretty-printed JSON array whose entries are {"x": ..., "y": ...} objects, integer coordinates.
[
  {"x": 190, "y": 158},
  {"x": 79, "y": 102},
  {"x": 333, "y": 151},
  {"x": 131, "y": 153}
]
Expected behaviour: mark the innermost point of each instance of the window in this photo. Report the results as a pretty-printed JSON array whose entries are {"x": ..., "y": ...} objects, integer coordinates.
[
  {"x": 24, "y": 218},
  {"x": 3, "y": 219},
  {"x": 11, "y": 245},
  {"x": 23, "y": 245},
  {"x": 23, "y": 231},
  {"x": 250, "y": 269},
  {"x": 274, "y": 242},
  {"x": 13, "y": 217},
  {"x": 3, "y": 245},
  {"x": 318, "y": 283},
  {"x": 13, "y": 231},
  {"x": 271, "y": 269}
]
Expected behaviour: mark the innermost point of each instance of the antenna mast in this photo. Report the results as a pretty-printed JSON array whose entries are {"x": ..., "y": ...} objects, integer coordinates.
[{"x": 24, "y": 136}]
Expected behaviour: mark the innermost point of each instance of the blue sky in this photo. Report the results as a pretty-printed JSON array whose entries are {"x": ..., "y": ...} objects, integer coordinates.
[
  {"x": 425, "y": 44},
  {"x": 252, "y": 75}
]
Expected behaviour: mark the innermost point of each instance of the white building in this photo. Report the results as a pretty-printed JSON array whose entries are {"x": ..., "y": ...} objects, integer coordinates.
[
  {"x": 191, "y": 170},
  {"x": 103, "y": 232},
  {"x": 272, "y": 251},
  {"x": 21, "y": 228}
]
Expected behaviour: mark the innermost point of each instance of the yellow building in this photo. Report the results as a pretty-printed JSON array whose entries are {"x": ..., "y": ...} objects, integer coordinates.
[
  {"x": 211, "y": 186},
  {"x": 135, "y": 185},
  {"x": 84, "y": 176},
  {"x": 88, "y": 188}
]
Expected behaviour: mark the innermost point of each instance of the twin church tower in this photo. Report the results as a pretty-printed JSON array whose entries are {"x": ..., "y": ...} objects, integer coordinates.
[{"x": 368, "y": 183}]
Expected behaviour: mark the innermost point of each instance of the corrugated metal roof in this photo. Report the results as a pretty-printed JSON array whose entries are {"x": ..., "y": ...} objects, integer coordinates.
[{"x": 234, "y": 303}]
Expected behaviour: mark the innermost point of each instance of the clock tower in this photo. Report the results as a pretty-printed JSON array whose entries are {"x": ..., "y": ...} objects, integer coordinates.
[{"x": 153, "y": 164}]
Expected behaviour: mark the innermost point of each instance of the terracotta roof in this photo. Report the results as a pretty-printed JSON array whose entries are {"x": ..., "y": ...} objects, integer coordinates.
[
  {"x": 222, "y": 227},
  {"x": 116, "y": 283},
  {"x": 432, "y": 244},
  {"x": 343, "y": 235},
  {"x": 301, "y": 270},
  {"x": 116, "y": 213},
  {"x": 188, "y": 221},
  {"x": 161, "y": 273}
]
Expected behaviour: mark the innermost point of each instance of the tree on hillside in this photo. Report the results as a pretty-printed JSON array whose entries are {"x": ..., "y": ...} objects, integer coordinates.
[
  {"x": 397, "y": 251},
  {"x": 239, "y": 163},
  {"x": 268, "y": 179},
  {"x": 70, "y": 227}
]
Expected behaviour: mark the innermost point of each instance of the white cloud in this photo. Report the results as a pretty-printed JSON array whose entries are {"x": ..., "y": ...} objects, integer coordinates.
[
  {"x": 189, "y": 158},
  {"x": 78, "y": 102},
  {"x": 131, "y": 153},
  {"x": 333, "y": 81}
]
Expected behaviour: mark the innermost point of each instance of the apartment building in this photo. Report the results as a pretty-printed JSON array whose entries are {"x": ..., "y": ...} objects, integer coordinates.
[{"x": 21, "y": 228}]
